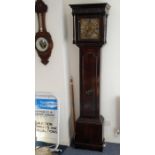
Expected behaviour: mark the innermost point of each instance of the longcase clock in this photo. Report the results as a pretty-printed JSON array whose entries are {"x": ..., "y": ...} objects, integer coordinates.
[{"x": 89, "y": 34}]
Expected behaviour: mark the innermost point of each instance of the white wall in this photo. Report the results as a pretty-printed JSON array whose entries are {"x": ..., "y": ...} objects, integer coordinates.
[
  {"x": 54, "y": 76},
  {"x": 109, "y": 95}
]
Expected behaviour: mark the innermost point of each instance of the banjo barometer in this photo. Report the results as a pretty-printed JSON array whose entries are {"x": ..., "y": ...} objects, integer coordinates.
[{"x": 43, "y": 40}]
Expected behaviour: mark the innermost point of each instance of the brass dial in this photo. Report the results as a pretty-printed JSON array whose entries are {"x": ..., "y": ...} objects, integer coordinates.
[{"x": 89, "y": 28}]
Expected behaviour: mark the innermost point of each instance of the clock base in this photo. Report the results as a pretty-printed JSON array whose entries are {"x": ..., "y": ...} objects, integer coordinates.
[{"x": 89, "y": 133}]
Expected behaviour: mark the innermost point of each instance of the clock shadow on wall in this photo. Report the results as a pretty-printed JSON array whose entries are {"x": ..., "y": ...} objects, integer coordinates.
[{"x": 43, "y": 39}]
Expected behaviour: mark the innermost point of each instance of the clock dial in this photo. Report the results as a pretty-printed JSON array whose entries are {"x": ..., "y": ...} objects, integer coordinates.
[
  {"x": 89, "y": 28},
  {"x": 42, "y": 44}
]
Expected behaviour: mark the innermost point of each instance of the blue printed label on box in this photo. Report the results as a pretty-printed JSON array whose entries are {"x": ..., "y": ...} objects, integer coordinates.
[{"x": 46, "y": 104}]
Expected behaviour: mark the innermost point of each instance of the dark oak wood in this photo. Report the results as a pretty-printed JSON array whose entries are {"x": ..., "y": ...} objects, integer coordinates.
[
  {"x": 89, "y": 81},
  {"x": 89, "y": 126},
  {"x": 89, "y": 133},
  {"x": 41, "y": 9}
]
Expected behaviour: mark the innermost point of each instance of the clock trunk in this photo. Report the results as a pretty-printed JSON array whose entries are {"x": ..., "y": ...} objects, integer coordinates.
[{"x": 89, "y": 81}]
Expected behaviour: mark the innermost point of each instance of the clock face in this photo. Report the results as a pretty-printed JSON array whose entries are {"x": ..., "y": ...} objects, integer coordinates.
[
  {"x": 42, "y": 44},
  {"x": 89, "y": 28}
]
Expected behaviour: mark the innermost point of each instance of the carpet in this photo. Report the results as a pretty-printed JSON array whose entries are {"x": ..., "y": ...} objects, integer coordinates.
[{"x": 110, "y": 149}]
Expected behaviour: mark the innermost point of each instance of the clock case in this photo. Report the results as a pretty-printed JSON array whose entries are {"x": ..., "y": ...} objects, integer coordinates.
[{"x": 89, "y": 126}]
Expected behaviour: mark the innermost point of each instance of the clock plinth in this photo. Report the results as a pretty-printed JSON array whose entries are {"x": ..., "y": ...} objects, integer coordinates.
[
  {"x": 89, "y": 34},
  {"x": 89, "y": 133}
]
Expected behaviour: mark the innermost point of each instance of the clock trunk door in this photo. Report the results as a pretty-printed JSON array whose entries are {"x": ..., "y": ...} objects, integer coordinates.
[{"x": 89, "y": 85}]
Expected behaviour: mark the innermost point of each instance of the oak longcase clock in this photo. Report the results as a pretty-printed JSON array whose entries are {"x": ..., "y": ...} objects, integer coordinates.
[{"x": 89, "y": 34}]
